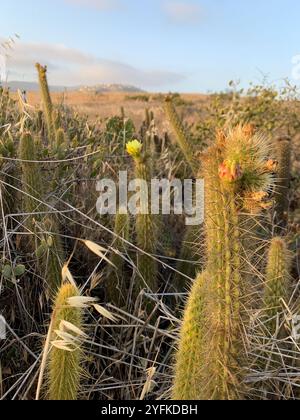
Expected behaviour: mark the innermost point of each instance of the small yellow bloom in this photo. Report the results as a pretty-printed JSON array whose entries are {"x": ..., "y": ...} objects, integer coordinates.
[{"x": 134, "y": 148}]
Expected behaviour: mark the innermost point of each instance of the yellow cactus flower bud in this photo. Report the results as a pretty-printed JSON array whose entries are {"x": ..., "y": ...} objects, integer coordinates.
[{"x": 134, "y": 148}]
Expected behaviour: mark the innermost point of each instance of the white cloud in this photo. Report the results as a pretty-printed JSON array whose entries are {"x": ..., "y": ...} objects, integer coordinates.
[
  {"x": 97, "y": 4},
  {"x": 70, "y": 67},
  {"x": 183, "y": 11}
]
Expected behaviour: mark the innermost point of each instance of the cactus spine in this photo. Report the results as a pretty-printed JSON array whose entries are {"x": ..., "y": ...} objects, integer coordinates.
[
  {"x": 47, "y": 102},
  {"x": 235, "y": 170},
  {"x": 277, "y": 282},
  {"x": 65, "y": 365},
  {"x": 183, "y": 139},
  {"x": 284, "y": 154},
  {"x": 116, "y": 285}
]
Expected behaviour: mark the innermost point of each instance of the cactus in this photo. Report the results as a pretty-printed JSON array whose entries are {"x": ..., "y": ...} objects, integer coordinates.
[
  {"x": 284, "y": 154},
  {"x": 183, "y": 138},
  {"x": 50, "y": 255},
  {"x": 56, "y": 120},
  {"x": 65, "y": 363},
  {"x": 188, "y": 376},
  {"x": 49, "y": 250},
  {"x": 31, "y": 179},
  {"x": 9, "y": 175},
  {"x": 235, "y": 171},
  {"x": 271, "y": 329},
  {"x": 116, "y": 285},
  {"x": 47, "y": 102},
  {"x": 188, "y": 258},
  {"x": 277, "y": 282},
  {"x": 60, "y": 139},
  {"x": 146, "y": 226},
  {"x": 59, "y": 152}
]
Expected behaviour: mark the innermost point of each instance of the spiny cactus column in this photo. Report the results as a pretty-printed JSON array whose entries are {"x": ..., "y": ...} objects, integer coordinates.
[
  {"x": 31, "y": 178},
  {"x": 188, "y": 370},
  {"x": 50, "y": 254},
  {"x": 65, "y": 363},
  {"x": 235, "y": 171},
  {"x": 9, "y": 174},
  {"x": 47, "y": 102},
  {"x": 183, "y": 139},
  {"x": 284, "y": 154},
  {"x": 188, "y": 258},
  {"x": 277, "y": 282},
  {"x": 116, "y": 286},
  {"x": 146, "y": 224}
]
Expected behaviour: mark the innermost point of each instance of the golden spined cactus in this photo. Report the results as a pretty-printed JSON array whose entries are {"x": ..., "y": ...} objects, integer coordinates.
[
  {"x": 233, "y": 169},
  {"x": 117, "y": 289},
  {"x": 64, "y": 369},
  {"x": 188, "y": 366},
  {"x": 188, "y": 258},
  {"x": 277, "y": 283},
  {"x": 31, "y": 179},
  {"x": 182, "y": 135},
  {"x": 284, "y": 155},
  {"x": 146, "y": 224},
  {"x": 47, "y": 102}
]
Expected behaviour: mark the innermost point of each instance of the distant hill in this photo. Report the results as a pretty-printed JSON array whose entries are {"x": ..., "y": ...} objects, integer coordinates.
[{"x": 101, "y": 88}]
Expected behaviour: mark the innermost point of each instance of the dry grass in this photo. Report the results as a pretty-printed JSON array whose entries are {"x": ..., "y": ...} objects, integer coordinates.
[{"x": 104, "y": 105}]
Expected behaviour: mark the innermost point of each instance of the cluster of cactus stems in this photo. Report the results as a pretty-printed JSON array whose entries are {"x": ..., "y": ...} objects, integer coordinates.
[
  {"x": 236, "y": 170},
  {"x": 64, "y": 368},
  {"x": 116, "y": 281},
  {"x": 284, "y": 156},
  {"x": 146, "y": 223},
  {"x": 182, "y": 136}
]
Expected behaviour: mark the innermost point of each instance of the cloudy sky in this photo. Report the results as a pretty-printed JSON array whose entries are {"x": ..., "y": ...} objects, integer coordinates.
[{"x": 159, "y": 45}]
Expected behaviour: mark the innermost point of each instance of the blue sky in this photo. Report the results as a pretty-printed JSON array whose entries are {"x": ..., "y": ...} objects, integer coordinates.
[{"x": 159, "y": 45}]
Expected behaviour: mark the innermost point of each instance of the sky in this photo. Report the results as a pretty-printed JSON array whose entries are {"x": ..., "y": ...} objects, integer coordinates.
[{"x": 157, "y": 45}]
